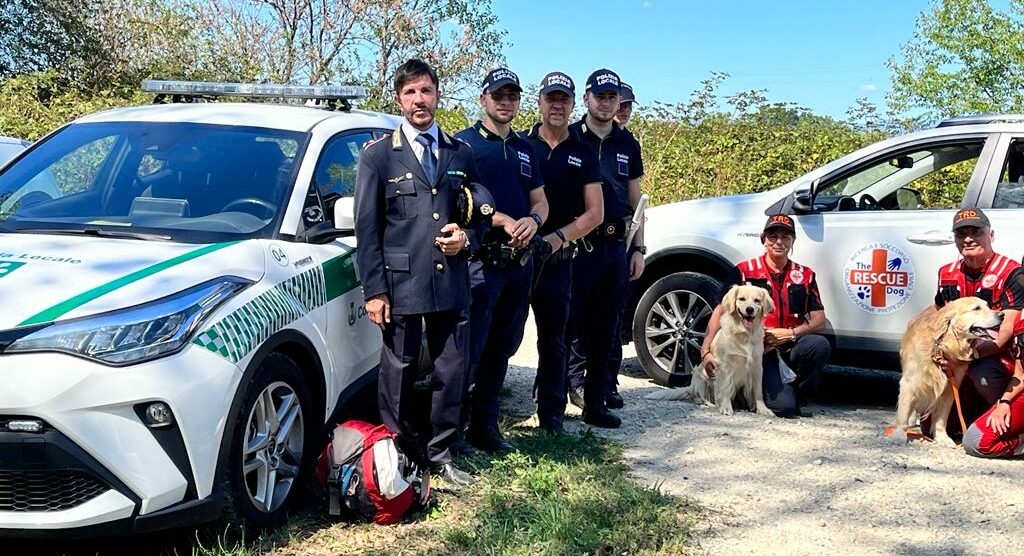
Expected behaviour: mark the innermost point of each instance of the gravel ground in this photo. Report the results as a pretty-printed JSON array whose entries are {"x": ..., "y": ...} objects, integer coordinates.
[{"x": 828, "y": 484}]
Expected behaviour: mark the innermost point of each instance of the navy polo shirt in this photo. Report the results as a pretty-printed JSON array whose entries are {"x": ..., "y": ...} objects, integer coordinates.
[
  {"x": 507, "y": 168},
  {"x": 619, "y": 153},
  {"x": 566, "y": 170}
]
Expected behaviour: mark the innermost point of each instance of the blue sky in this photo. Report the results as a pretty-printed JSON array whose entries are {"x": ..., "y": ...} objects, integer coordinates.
[{"x": 822, "y": 54}]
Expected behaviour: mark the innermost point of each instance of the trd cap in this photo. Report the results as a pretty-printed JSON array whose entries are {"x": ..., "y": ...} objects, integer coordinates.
[
  {"x": 970, "y": 217},
  {"x": 780, "y": 221}
]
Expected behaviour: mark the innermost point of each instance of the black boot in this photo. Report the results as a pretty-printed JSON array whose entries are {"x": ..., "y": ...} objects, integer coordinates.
[{"x": 488, "y": 438}]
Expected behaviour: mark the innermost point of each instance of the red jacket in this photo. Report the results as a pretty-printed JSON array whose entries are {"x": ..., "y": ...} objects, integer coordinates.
[
  {"x": 794, "y": 298},
  {"x": 953, "y": 284}
]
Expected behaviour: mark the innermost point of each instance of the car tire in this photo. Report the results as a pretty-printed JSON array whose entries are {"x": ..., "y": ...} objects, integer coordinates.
[
  {"x": 268, "y": 454},
  {"x": 668, "y": 346}
]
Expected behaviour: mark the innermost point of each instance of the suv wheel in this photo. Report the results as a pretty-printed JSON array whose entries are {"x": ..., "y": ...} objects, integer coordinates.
[
  {"x": 670, "y": 324},
  {"x": 270, "y": 444}
]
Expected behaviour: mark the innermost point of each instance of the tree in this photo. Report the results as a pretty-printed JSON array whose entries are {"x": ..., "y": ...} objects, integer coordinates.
[
  {"x": 360, "y": 41},
  {"x": 964, "y": 58},
  {"x": 37, "y": 35}
]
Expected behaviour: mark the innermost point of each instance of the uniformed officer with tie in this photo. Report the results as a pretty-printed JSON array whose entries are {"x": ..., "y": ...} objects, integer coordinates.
[
  {"x": 501, "y": 275},
  {"x": 412, "y": 259},
  {"x": 572, "y": 184},
  {"x": 603, "y": 267}
]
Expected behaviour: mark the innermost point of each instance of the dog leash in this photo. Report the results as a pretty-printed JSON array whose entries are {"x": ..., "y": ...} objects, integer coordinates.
[{"x": 937, "y": 359}]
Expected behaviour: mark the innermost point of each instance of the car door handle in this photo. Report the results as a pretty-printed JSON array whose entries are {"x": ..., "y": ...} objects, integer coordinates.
[{"x": 930, "y": 238}]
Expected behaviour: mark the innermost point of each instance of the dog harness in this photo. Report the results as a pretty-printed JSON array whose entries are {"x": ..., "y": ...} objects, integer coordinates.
[
  {"x": 791, "y": 300},
  {"x": 954, "y": 283}
]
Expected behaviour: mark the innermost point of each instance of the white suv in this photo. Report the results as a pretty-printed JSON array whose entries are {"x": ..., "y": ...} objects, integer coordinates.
[
  {"x": 181, "y": 310},
  {"x": 862, "y": 224}
]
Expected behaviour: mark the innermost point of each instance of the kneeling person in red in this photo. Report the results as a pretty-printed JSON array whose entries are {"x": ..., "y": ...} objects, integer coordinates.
[{"x": 1000, "y": 431}]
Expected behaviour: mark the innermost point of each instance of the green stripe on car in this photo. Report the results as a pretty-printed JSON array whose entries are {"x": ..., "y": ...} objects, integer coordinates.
[
  {"x": 248, "y": 326},
  {"x": 77, "y": 301}
]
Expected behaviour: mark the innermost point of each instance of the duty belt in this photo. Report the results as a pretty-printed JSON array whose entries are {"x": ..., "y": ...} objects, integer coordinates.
[
  {"x": 501, "y": 256},
  {"x": 609, "y": 229},
  {"x": 566, "y": 253}
]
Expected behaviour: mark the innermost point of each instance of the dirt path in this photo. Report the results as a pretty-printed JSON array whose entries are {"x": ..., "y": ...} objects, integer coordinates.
[{"x": 831, "y": 484}]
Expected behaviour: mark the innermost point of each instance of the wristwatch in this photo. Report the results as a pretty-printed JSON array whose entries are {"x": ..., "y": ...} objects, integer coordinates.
[
  {"x": 641, "y": 248},
  {"x": 1001, "y": 400},
  {"x": 536, "y": 218},
  {"x": 465, "y": 246}
]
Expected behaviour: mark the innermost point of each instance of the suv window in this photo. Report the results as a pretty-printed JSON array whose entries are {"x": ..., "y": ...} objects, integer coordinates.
[
  {"x": 191, "y": 182},
  {"x": 932, "y": 177},
  {"x": 1010, "y": 189},
  {"x": 336, "y": 170}
]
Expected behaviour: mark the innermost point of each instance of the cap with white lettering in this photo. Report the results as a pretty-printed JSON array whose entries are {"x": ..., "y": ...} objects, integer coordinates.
[{"x": 603, "y": 80}]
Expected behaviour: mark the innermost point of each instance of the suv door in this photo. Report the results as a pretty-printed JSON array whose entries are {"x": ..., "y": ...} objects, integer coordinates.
[
  {"x": 353, "y": 342},
  {"x": 880, "y": 229},
  {"x": 1002, "y": 196}
]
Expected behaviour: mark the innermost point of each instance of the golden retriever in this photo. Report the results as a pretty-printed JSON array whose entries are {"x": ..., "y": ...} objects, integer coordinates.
[
  {"x": 736, "y": 351},
  {"x": 950, "y": 333}
]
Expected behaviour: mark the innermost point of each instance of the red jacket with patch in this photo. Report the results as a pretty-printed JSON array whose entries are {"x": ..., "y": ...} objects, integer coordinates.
[
  {"x": 795, "y": 297},
  {"x": 989, "y": 286}
]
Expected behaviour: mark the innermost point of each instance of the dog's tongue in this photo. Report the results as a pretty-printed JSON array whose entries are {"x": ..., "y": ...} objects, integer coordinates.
[
  {"x": 992, "y": 333},
  {"x": 748, "y": 323}
]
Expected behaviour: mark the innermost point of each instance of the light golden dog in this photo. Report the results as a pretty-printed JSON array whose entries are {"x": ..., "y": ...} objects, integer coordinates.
[
  {"x": 948, "y": 333},
  {"x": 736, "y": 351}
]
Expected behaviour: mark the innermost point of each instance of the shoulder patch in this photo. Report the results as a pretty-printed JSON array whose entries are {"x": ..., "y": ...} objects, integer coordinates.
[{"x": 373, "y": 141}]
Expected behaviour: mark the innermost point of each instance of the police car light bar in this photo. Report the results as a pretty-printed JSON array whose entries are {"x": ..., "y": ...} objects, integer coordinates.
[
  {"x": 214, "y": 89},
  {"x": 983, "y": 119}
]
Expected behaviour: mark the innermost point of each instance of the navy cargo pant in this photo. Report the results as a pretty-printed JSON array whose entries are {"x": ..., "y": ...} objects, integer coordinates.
[
  {"x": 550, "y": 301},
  {"x": 598, "y": 293},
  {"x": 807, "y": 358},
  {"x": 578, "y": 363},
  {"x": 500, "y": 304},
  {"x": 447, "y": 335}
]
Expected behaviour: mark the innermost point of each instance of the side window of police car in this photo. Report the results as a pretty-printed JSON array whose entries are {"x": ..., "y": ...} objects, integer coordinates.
[
  {"x": 335, "y": 174},
  {"x": 930, "y": 177},
  {"x": 1010, "y": 189}
]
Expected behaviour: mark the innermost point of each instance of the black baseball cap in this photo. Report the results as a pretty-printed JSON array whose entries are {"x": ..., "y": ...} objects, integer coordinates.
[
  {"x": 970, "y": 217},
  {"x": 498, "y": 78},
  {"x": 603, "y": 80},
  {"x": 557, "y": 81},
  {"x": 780, "y": 221},
  {"x": 627, "y": 93}
]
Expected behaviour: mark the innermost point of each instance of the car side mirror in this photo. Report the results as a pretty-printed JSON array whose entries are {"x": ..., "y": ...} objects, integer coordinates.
[
  {"x": 344, "y": 226},
  {"x": 345, "y": 214},
  {"x": 803, "y": 197}
]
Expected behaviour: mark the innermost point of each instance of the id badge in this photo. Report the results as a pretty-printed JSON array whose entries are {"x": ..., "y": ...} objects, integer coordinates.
[
  {"x": 623, "y": 169},
  {"x": 525, "y": 170}
]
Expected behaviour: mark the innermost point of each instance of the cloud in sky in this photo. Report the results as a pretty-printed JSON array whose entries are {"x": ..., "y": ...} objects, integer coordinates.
[
  {"x": 647, "y": 4},
  {"x": 868, "y": 87}
]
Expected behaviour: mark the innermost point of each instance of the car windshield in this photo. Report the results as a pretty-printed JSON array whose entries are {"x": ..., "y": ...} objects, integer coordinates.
[{"x": 186, "y": 182}]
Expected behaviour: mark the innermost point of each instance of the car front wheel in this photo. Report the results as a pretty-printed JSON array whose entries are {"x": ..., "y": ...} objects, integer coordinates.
[
  {"x": 270, "y": 444},
  {"x": 670, "y": 324}
]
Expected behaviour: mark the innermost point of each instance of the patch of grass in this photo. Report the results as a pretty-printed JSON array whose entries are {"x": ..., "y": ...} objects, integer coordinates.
[
  {"x": 555, "y": 496},
  {"x": 569, "y": 495}
]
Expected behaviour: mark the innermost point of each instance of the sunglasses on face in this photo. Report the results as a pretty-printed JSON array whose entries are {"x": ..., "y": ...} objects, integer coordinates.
[{"x": 499, "y": 97}]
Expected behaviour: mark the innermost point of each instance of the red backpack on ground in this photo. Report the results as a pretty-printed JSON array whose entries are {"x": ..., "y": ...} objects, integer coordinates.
[{"x": 366, "y": 476}]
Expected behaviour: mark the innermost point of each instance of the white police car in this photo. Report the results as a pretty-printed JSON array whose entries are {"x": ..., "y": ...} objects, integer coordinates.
[
  {"x": 181, "y": 312},
  {"x": 875, "y": 243}
]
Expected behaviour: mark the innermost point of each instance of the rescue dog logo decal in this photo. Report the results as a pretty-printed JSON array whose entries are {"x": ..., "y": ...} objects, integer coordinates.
[{"x": 879, "y": 278}]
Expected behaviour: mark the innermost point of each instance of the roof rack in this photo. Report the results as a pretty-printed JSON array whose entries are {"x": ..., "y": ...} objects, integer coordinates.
[
  {"x": 983, "y": 119},
  {"x": 331, "y": 97}
]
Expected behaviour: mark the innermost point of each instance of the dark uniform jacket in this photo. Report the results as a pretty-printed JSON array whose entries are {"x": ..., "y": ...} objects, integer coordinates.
[{"x": 399, "y": 213}]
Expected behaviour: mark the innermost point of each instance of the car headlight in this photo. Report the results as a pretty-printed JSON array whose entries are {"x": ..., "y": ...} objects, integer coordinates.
[{"x": 135, "y": 334}]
